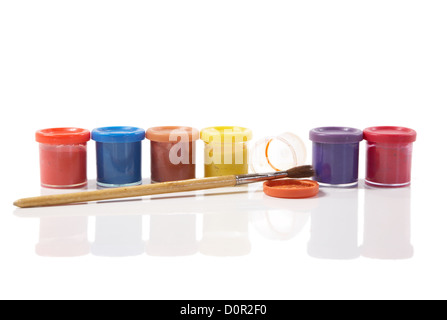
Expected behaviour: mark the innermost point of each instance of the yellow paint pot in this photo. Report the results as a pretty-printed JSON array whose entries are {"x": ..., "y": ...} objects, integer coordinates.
[{"x": 226, "y": 150}]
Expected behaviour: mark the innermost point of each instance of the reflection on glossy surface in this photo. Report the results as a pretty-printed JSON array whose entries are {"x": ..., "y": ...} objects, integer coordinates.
[
  {"x": 172, "y": 235},
  {"x": 63, "y": 237},
  {"x": 387, "y": 233},
  {"x": 334, "y": 225},
  {"x": 280, "y": 219},
  {"x": 279, "y": 224},
  {"x": 225, "y": 215},
  {"x": 225, "y": 234},
  {"x": 120, "y": 236}
]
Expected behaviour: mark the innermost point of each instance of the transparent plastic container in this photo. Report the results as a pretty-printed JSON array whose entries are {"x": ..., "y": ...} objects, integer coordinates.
[{"x": 278, "y": 153}]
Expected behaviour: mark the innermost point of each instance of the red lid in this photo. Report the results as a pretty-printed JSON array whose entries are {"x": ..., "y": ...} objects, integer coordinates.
[
  {"x": 389, "y": 134},
  {"x": 291, "y": 188},
  {"x": 63, "y": 136},
  {"x": 166, "y": 134}
]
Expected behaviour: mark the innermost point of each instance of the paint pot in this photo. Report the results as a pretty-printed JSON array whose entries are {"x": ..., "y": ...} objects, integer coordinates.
[
  {"x": 277, "y": 153},
  {"x": 63, "y": 157},
  {"x": 226, "y": 150},
  {"x": 173, "y": 153},
  {"x": 118, "y": 156},
  {"x": 336, "y": 155},
  {"x": 388, "y": 156}
]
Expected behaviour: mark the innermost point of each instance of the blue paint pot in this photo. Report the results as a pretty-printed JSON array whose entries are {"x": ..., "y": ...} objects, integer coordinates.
[
  {"x": 335, "y": 155},
  {"x": 118, "y": 156}
]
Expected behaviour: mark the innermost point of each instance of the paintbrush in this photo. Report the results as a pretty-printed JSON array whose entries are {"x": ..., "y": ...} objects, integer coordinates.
[{"x": 162, "y": 188}]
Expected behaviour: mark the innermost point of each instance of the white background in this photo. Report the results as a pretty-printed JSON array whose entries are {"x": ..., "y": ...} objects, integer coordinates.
[{"x": 272, "y": 66}]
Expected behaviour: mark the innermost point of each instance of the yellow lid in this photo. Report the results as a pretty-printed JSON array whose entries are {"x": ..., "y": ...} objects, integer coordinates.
[{"x": 226, "y": 134}]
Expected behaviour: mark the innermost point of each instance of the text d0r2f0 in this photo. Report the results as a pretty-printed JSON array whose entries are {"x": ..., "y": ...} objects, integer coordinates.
[{"x": 228, "y": 310}]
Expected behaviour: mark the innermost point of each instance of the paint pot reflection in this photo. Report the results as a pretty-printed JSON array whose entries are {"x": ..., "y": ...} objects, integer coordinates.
[
  {"x": 282, "y": 219},
  {"x": 63, "y": 236},
  {"x": 387, "y": 233},
  {"x": 225, "y": 234},
  {"x": 172, "y": 235},
  {"x": 279, "y": 224},
  {"x": 334, "y": 225},
  {"x": 118, "y": 236}
]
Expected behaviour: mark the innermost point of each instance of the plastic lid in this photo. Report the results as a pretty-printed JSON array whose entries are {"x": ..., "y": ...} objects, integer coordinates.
[
  {"x": 118, "y": 134},
  {"x": 277, "y": 153},
  {"x": 337, "y": 135},
  {"x": 291, "y": 188},
  {"x": 224, "y": 134},
  {"x": 63, "y": 136},
  {"x": 172, "y": 134},
  {"x": 388, "y": 134}
]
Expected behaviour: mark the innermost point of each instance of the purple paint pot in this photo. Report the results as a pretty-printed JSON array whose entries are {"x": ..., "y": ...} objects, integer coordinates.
[{"x": 336, "y": 155}]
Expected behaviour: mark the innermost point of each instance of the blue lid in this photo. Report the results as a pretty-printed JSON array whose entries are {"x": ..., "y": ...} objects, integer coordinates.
[
  {"x": 118, "y": 134},
  {"x": 336, "y": 135}
]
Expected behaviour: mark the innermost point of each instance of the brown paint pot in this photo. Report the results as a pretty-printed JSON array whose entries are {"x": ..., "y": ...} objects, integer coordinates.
[{"x": 173, "y": 153}]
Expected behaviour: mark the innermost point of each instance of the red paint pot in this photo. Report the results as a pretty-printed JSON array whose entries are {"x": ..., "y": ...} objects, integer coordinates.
[
  {"x": 63, "y": 157},
  {"x": 388, "y": 156}
]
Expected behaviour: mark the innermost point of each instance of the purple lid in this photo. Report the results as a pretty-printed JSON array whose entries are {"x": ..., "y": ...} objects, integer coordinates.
[{"x": 336, "y": 135}]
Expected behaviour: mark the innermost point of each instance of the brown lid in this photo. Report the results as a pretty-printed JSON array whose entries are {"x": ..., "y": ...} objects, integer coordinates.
[{"x": 172, "y": 134}]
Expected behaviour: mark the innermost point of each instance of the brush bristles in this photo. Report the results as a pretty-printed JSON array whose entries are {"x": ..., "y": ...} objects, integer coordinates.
[{"x": 301, "y": 172}]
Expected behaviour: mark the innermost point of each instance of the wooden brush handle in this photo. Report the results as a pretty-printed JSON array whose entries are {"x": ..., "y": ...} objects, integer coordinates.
[{"x": 128, "y": 192}]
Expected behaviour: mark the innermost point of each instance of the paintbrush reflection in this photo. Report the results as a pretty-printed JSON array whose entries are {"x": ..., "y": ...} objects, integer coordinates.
[{"x": 231, "y": 223}]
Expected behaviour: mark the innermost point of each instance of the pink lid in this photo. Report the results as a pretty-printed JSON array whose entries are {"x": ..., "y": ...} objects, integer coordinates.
[{"x": 389, "y": 134}]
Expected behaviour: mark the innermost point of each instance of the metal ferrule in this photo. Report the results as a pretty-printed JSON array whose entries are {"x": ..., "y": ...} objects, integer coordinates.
[{"x": 251, "y": 178}]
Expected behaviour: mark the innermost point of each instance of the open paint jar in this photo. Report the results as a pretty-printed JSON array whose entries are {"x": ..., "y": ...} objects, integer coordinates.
[
  {"x": 173, "y": 151},
  {"x": 335, "y": 155},
  {"x": 63, "y": 157},
  {"x": 278, "y": 153},
  {"x": 388, "y": 156},
  {"x": 118, "y": 156},
  {"x": 226, "y": 150}
]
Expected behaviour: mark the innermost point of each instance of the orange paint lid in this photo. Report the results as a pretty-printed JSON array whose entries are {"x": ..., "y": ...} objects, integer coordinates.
[
  {"x": 172, "y": 134},
  {"x": 291, "y": 188}
]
